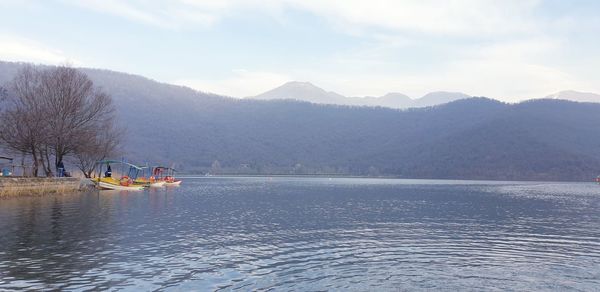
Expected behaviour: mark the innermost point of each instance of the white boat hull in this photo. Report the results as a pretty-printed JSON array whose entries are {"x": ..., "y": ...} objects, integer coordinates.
[
  {"x": 106, "y": 186},
  {"x": 175, "y": 183},
  {"x": 157, "y": 184}
]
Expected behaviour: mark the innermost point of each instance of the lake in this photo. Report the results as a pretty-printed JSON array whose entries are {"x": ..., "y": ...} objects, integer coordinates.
[{"x": 307, "y": 234}]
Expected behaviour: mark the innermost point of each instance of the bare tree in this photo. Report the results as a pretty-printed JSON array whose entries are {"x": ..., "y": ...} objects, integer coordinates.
[
  {"x": 96, "y": 146},
  {"x": 74, "y": 110},
  {"x": 22, "y": 125},
  {"x": 56, "y": 112}
]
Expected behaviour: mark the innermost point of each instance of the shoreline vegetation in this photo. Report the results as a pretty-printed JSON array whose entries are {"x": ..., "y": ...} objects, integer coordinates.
[{"x": 32, "y": 186}]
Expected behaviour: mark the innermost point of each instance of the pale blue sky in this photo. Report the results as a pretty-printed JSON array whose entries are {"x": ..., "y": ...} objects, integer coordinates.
[{"x": 509, "y": 50}]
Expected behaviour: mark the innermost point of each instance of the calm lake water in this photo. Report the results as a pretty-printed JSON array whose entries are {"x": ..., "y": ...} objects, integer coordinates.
[{"x": 307, "y": 234}]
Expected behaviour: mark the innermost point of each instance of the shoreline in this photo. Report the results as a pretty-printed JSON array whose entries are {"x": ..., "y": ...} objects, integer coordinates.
[
  {"x": 32, "y": 186},
  {"x": 378, "y": 177}
]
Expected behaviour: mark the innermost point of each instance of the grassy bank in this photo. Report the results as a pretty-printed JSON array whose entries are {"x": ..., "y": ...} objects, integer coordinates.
[{"x": 23, "y": 186}]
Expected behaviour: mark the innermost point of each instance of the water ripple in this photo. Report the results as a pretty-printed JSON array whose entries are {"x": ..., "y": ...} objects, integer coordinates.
[{"x": 306, "y": 234}]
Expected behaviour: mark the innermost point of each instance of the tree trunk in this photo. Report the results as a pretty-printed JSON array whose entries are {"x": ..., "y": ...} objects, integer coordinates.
[
  {"x": 47, "y": 166},
  {"x": 58, "y": 160},
  {"x": 58, "y": 157},
  {"x": 23, "y": 154},
  {"x": 34, "y": 169}
]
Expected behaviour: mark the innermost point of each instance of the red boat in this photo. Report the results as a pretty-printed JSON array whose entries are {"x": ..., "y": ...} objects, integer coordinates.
[{"x": 166, "y": 175}]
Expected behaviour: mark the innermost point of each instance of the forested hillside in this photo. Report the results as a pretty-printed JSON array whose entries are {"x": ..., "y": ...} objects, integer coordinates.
[{"x": 474, "y": 138}]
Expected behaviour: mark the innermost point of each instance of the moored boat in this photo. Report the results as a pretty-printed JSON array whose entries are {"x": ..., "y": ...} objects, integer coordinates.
[
  {"x": 107, "y": 181},
  {"x": 153, "y": 179},
  {"x": 166, "y": 175}
]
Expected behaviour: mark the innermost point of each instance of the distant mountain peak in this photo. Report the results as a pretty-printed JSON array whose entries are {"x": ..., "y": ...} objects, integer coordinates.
[
  {"x": 396, "y": 95},
  {"x": 573, "y": 95},
  {"x": 439, "y": 97},
  {"x": 445, "y": 94},
  {"x": 299, "y": 83},
  {"x": 304, "y": 91},
  {"x": 303, "y": 85}
]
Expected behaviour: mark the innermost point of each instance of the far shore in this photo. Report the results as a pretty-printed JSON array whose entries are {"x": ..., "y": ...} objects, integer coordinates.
[{"x": 191, "y": 175}]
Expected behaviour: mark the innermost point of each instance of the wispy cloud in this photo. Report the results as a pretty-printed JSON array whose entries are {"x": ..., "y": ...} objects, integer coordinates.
[
  {"x": 174, "y": 14},
  {"x": 465, "y": 17},
  {"x": 26, "y": 50}
]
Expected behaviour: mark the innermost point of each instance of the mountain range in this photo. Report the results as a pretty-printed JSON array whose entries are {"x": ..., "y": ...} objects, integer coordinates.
[
  {"x": 306, "y": 91},
  {"x": 469, "y": 138}
]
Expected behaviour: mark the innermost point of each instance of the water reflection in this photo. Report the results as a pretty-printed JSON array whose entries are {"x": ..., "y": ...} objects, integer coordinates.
[{"x": 306, "y": 234}]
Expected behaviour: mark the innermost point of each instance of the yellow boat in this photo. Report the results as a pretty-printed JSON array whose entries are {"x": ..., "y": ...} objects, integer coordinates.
[
  {"x": 109, "y": 183},
  {"x": 125, "y": 182}
]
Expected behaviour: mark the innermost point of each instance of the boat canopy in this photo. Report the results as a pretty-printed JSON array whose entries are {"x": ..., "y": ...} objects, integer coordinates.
[
  {"x": 120, "y": 162},
  {"x": 165, "y": 168}
]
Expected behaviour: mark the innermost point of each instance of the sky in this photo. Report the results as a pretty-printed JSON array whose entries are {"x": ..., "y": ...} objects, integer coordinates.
[{"x": 509, "y": 50}]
